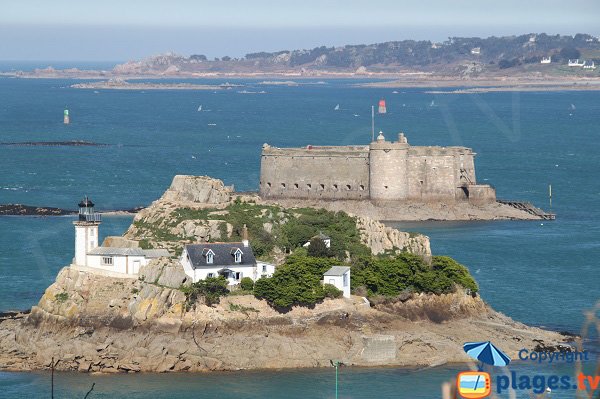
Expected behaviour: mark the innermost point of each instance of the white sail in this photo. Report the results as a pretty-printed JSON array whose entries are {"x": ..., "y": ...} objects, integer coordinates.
[{"x": 337, "y": 107}]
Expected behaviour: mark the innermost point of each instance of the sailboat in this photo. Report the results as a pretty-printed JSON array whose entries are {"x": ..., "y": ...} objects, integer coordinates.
[
  {"x": 200, "y": 108},
  {"x": 432, "y": 103},
  {"x": 337, "y": 107},
  {"x": 573, "y": 107}
]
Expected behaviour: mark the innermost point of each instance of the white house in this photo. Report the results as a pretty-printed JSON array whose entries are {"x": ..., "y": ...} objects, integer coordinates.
[
  {"x": 323, "y": 237},
  {"x": 576, "y": 63},
  {"x": 339, "y": 277},
  {"x": 124, "y": 261},
  {"x": 476, "y": 50},
  {"x": 587, "y": 65},
  {"x": 546, "y": 60},
  {"x": 233, "y": 260}
]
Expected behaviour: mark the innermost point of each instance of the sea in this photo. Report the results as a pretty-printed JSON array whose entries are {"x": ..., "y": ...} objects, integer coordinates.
[{"x": 543, "y": 273}]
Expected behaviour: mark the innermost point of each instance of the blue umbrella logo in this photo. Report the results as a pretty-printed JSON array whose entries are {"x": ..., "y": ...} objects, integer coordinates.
[{"x": 486, "y": 353}]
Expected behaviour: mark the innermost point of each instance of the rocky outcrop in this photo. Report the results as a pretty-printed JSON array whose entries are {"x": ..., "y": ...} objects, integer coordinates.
[
  {"x": 381, "y": 238},
  {"x": 94, "y": 323},
  {"x": 198, "y": 189}
]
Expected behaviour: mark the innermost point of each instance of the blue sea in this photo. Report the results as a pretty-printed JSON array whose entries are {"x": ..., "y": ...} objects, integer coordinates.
[{"x": 540, "y": 273}]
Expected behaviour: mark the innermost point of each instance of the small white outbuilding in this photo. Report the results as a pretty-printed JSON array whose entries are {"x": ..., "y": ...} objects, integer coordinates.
[{"x": 339, "y": 277}]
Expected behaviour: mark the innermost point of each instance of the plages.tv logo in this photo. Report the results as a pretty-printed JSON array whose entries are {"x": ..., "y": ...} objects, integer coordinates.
[
  {"x": 473, "y": 384},
  {"x": 478, "y": 384}
]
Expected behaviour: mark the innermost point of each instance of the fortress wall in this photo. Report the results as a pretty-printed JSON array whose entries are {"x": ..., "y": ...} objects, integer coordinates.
[
  {"x": 315, "y": 172},
  {"x": 432, "y": 178}
]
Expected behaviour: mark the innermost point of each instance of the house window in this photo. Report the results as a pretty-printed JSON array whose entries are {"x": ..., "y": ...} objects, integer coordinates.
[
  {"x": 107, "y": 261},
  {"x": 210, "y": 275},
  {"x": 345, "y": 280},
  {"x": 264, "y": 268},
  {"x": 209, "y": 258},
  {"x": 238, "y": 256},
  {"x": 91, "y": 232},
  {"x": 237, "y": 275}
]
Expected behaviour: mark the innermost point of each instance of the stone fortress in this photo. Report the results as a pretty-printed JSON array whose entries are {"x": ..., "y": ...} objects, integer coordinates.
[{"x": 383, "y": 171}]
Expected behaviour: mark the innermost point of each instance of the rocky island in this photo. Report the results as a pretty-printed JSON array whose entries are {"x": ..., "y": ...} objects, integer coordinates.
[{"x": 158, "y": 320}]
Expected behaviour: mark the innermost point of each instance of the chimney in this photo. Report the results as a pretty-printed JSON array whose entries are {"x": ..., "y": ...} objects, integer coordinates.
[{"x": 245, "y": 236}]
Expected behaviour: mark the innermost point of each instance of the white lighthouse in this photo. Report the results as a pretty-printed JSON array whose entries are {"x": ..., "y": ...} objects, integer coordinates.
[{"x": 86, "y": 231}]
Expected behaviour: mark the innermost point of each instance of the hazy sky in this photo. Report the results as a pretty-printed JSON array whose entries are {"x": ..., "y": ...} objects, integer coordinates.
[{"x": 130, "y": 29}]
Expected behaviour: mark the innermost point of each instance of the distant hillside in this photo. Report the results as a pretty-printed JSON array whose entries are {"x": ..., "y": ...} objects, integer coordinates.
[{"x": 491, "y": 54}]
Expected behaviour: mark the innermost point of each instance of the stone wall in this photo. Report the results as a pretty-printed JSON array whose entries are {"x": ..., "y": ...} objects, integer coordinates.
[{"x": 315, "y": 172}]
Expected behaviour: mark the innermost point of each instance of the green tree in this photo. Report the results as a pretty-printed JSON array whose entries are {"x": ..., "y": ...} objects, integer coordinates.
[{"x": 317, "y": 248}]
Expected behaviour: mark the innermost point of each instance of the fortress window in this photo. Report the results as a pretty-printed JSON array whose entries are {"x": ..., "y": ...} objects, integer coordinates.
[
  {"x": 362, "y": 188},
  {"x": 269, "y": 185},
  {"x": 322, "y": 186},
  {"x": 283, "y": 185},
  {"x": 335, "y": 186},
  {"x": 385, "y": 187},
  {"x": 421, "y": 181},
  {"x": 296, "y": 185},
  {"x": 348, "y": 187},
  {"x": 309, "y": 186}
]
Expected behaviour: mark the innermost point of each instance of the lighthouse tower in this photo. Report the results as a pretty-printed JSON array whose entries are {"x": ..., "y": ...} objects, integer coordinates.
[{"x": 86, "y": 231}]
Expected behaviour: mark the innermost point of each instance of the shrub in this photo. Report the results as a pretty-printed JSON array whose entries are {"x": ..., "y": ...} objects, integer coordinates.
[
  {"x": 63, "y": 296},
  {"x": 212, "y": 289},
  {"x": 247, "y": 284},
  {"x": 331, "y": 291},
  {"x": 391, "y": 276}
]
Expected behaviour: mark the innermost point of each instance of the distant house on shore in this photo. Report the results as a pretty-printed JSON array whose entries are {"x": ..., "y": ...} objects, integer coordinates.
[
  {"x": 339, "y": 277},
  {"x": 546, "y": 60},
  {"x": 232, "y": 260},
  {"x": 320, "y": 236},
  {"x": 105, "y": 260},
  {"x": 589, "y": 65},
  {"x": 576, "y": 63},
  {"x": 476, "y": 50}
]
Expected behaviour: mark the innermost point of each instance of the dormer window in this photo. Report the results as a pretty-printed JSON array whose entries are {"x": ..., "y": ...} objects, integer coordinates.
[
  {"x": 237, "y": 255},
  {"x": 209, "y": 255}
]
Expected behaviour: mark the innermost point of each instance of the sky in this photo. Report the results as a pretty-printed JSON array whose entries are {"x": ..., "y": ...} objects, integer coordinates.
[{"x": 111, "y": 30}]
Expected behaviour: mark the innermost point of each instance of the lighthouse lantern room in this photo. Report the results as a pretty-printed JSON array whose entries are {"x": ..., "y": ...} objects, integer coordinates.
[{"x": 86, "y": 231}]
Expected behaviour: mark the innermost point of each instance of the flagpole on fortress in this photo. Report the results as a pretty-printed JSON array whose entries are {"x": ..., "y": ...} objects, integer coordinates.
[{"x": 372, "y": 123}]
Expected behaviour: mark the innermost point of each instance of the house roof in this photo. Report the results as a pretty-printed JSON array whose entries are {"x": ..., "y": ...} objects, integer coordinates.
[
  {"x": 322, "y": 236},
  {"x": 115, "y": 251},
  {"x": 223, "y": 254},
  {"x": 336, "y": 271}
]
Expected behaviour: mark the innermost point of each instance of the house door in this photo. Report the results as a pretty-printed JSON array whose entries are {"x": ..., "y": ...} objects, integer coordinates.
[{"x": 136, "y": 266}]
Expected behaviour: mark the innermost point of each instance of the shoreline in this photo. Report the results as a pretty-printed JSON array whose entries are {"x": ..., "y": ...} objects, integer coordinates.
[{"x": 291, "y": 79}]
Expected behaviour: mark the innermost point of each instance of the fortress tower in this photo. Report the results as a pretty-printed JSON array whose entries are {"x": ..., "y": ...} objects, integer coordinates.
[
  {"x": 86, "y": 231},
  {"x": 388, "y": 173}
]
